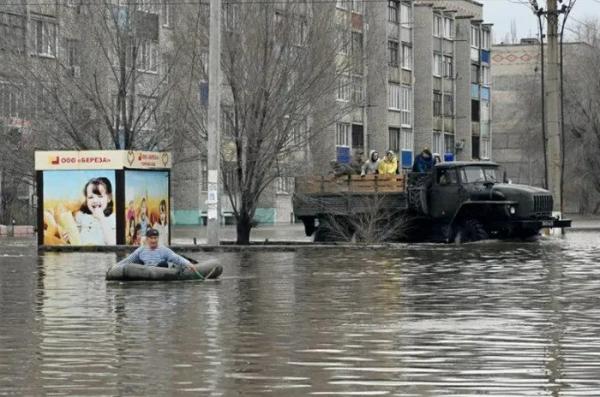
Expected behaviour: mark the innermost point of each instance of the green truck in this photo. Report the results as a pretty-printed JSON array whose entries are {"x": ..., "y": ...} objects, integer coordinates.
[{"x": 455, "y": 202}]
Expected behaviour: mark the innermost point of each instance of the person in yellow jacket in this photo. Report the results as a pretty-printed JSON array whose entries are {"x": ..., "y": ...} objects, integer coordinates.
[{"x": 389, "y": 164}]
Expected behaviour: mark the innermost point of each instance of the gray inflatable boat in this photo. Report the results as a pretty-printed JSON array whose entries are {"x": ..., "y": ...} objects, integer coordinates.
[{"x": 136, "y": 272}]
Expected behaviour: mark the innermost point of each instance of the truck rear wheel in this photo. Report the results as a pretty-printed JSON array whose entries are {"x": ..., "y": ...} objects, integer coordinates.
[
  {"x": 470, "y": 230},
  {"x": 333, "y": 229}
]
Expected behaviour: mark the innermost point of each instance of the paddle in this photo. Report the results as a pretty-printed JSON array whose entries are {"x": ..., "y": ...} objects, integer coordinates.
[{"x": 195, "y": 262}]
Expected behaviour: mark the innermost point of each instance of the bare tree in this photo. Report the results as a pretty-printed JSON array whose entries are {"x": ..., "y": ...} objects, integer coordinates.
[
  {"x": 583, "y": 117},
  {"x": 102, "y": 83},
  {"x": 281, "y": 67}
]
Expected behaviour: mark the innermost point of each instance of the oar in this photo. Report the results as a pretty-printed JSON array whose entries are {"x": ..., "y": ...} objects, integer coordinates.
[{"x": 195, "y": 262}]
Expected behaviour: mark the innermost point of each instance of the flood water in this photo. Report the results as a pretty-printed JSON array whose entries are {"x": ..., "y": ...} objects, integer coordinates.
[{"x": 420, "y": 320}]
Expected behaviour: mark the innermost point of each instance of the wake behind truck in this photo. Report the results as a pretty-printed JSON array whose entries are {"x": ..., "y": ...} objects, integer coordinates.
[{"x": 456, "y": 202}]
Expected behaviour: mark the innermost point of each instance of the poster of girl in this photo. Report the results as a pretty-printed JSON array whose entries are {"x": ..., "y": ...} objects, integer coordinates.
[
  {"x": 162, "y": 224},
  {"x": 79, "y": 208}
]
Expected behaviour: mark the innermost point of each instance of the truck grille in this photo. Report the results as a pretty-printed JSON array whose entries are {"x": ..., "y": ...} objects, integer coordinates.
[{"x": 542, "y": 203}]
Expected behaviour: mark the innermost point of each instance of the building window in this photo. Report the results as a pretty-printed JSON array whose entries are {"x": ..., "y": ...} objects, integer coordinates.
[
  {"x": 72, "y": 52},
  {"x": 438, "y": 146},
  {"x": 343, "y": 134},
  {"x": 448, "y": 143},
  {"x": 394, "y": 11},
  {"x": 393, "y": 53},
  {"x": 448, "y": 69},
  {"x": 407, "y": 140},
  {"x": 44, "y": 37},
  {"x": 11, "y": 100},
  {"x": 475, "y": 147},
  {"x": 485, "y": 75},
  {"x": 406, "y": 57},
  {"x": 437, "y": 104},
  {"x": 405, "y": 14},
  {"x": 147, "y": 56},
  {"x": 358, "y": 136},
  {"x": 448, "y": 105},
  {"x": 204, "y": 176},
  {"x": 485, "y": 112},
  {"x": 167, "y": 13},
  {"x": 475, "y": 74},
  {"x": 485, "y": 44},
  {"x": 231, "y": 16},
  {"x": 437, "y": 65},
  {"x": 357, "y": 6},
  {"x": 395, "y": 97},
  {"x": 12, "y": 31},
  {"x": 343, "y": 4},
  {"x": 394, "y": 141},
  {"x": 448, "y": 28},
  {"x": 285, "y": 185},
  {"x": 437, "y": 26},
  {"x": 344, "y": 89},
  {"x": 485, "y": 149},
  {"x": 475, "y": 110},
  {"x": 405, "y": 116},
  {"x": 475, "y": 37},
  {"x": 357, "y": 52},
  {"x": 357, "y": 90}
]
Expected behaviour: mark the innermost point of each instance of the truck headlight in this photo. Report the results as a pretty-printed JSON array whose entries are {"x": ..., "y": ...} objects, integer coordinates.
[{"x": 512, "y": 210}]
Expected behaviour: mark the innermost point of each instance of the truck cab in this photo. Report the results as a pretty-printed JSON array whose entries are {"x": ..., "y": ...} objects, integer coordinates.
[{"x": 469, "y": 201}]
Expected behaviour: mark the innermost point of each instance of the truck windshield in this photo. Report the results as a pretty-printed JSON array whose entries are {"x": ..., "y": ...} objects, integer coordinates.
[{"x": 474, "y": 174}]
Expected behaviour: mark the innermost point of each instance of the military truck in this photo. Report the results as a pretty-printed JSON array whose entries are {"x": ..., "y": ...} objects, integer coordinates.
[{"x": 455, "y": 202}]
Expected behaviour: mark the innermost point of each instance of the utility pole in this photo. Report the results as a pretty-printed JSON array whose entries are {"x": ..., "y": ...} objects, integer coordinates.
[
  {"x": 214, "y": 121},
  {"x": 553, "y": 107}
]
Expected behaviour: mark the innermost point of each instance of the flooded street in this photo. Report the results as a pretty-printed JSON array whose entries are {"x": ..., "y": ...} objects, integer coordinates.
[{"x": 420, "y": 320}]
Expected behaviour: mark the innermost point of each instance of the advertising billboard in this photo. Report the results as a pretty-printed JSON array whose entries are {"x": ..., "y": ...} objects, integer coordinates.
[
  {"x": 79, "y": 207},
  {"x": 147, "y": 205}
]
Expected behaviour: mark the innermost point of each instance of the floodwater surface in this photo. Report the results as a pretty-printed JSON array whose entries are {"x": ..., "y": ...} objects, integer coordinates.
[{"x": 490, "y": 318}]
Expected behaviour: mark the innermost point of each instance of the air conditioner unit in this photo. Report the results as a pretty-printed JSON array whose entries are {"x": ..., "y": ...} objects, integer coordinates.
[{"x": 75, "y": 71}]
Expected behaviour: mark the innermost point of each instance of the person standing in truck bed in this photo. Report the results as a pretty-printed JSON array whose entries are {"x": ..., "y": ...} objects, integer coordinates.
[
  {"x": 389, "y": 165},
  {"x": 423, "y": 162}
]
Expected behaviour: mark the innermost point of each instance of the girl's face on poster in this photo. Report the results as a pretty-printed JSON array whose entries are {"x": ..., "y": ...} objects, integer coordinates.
[{"x": 97, "y": 202}]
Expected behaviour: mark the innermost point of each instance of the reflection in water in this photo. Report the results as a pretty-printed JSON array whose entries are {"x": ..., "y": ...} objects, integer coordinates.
[{"x": 420, "y": 320}]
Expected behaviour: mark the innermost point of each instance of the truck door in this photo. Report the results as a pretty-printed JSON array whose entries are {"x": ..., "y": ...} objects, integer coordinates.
[{"x": 444, "y": 197}]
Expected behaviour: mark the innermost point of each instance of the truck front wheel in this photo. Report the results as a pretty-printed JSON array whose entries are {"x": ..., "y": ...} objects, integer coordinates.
[{"x": 470, "y": 230}]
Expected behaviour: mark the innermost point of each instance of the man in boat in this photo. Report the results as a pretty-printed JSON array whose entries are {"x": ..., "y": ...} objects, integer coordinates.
[{"x": 153, "y": 254}]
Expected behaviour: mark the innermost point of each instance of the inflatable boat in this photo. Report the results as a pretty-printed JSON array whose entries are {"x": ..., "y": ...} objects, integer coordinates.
[{"x": 136, "y": 272}]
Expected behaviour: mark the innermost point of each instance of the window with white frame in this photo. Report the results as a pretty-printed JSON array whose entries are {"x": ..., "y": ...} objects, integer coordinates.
[
  {"x": 448, "y": 69},
  {"x": 343, "y": 135},
  {"x": 448, "y": 28},
  {"x": 405, "y": 116},
  {"x": 485, "y": 149},
  {"x": 406, "y": 57},
  {"x": 437, "y": 26},
  {"x": 405, "y": 14},
  {"x": 485, "y": 75},
  {"x": 344, "y": 89},
  {"x": 167, "y": 13},
  {"x": 394, "y": 11},
  {"x": 284, "y": 185},
  {"x": 148, "y": 56},
  {"x": 437, "y": 65},
  {"x": 475, "y": 39},
  {"x": 11, "y": 100},
  {"x": 395, "y": 96},
  {"x": 485, "y": 37},
  {"x": 407, "y": 142},
  {"x": 357, "y": 6},
  {"x": 449, "y": 143},
  {"x": 343, "y": 4},
  {"x": 43, "y": 33},
  {"x": 438, "y": 144},
  {"x": 448, "y": 105},
  {"x": 484, "y": 112}
]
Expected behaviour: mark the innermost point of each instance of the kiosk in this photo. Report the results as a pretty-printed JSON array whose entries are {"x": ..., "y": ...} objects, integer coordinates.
[{"x": 102, "y": 197}]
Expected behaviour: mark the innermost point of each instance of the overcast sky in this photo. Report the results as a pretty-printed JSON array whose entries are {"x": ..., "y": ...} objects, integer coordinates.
[{"x": 502, "y": 12}]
